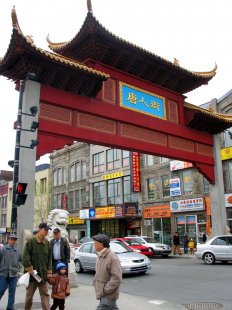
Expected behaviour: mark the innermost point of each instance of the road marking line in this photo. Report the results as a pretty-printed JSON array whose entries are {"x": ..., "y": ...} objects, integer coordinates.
[{"x": 157, "y": 301}]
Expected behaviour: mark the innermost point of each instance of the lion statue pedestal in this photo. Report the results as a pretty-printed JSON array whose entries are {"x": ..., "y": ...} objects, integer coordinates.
[{"x": 58, "y": 218}]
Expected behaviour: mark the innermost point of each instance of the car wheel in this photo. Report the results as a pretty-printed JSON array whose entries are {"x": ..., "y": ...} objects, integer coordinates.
[
  {"x": 209, "y": 258},
  {"x": 78, "y": 266}
]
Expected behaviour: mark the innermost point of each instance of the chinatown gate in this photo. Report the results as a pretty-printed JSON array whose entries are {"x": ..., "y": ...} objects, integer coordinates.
[{"x": 100, "y": 89}]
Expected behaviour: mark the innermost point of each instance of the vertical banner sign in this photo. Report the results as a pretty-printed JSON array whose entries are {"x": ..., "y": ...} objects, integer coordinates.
[
  {"x": 64, "y": 201},
  {"x": 135, "y": 169},
  {"x": 208, "y": 215}
]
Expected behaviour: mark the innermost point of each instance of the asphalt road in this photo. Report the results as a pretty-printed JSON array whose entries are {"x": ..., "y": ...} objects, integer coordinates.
[{"x": 180, "y": 280}]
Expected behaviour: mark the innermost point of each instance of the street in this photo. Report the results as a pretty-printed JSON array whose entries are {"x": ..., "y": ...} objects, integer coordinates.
[
  {"x": 174, "y": 283},
  {"x": 180, "y": 280}
]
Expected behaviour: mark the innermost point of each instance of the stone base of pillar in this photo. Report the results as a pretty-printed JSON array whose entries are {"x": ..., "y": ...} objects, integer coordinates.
[{"x": 72, "y": 275}]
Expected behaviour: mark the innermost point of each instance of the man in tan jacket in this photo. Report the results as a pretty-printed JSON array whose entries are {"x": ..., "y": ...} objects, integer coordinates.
[{"x": 108, "y": 274}]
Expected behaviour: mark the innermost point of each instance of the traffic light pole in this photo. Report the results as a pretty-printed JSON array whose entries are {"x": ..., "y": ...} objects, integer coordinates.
[{"x": 16, "y": 158}]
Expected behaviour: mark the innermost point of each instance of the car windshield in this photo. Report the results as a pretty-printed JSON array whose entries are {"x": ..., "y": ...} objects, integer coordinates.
[
  {"x": 150, "y": 240},
  {"x": 132, "y": 242},
  {"x": 119, "y": 248}
]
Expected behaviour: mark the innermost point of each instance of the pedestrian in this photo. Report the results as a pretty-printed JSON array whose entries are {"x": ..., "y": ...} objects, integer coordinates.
[
  {"x": 176, "y": 244},
  {"x": 186, "y": 241},
  {"x": 60, "y": 286},
  {"x": 60, "y": 250},
  {"x": 38, "y": 256},
  {"x": 204, "y": 237},
  {"x": 191, "y": 246},
  {"x": 108, "y": 274},
  {"x": 10, "y": 264}
]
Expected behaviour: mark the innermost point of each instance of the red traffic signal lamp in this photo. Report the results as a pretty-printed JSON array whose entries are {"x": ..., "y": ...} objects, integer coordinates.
[{"x": 21, "y": 197}]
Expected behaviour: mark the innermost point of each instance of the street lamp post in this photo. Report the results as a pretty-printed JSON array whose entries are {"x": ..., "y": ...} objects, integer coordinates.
[{"x": 16, "y": 158}]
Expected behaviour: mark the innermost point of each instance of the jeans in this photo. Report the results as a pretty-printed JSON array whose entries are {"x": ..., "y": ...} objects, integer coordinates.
[
  {"x": 9, "y": 282},
  {"x": 58, "y": 303},
  {"x": 107, "y": 304}
]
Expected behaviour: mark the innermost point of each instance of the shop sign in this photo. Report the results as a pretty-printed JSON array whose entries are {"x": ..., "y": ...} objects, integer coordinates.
[
  {"x": 8, "y": 229},
  {"x": 175, "y": 189},
  {"x": 112, "y": 175},
  {"x": 64, "y": 201},
  {"x": 178, "y": 165},
  {"x": 92, "y": 213},
  {"x": 131, "y": 210},
  {"x": 228, "y": 200},
  {"x": 195, "y": 204},
  {"x": 226, "y": 153},
  {"x": 157, "y": 212},
  {"x": 75, "y": 220},
  {"x": 208, "y": 215},
  {"x": 2, "y": 230},
  {"x": 142, "y": 101},
  {"x": 135, "y": 172},
  {"x": 84, "y": 214},
  {"x": 106, "y": 212},
  {"x": 118, "y": 211},
  {"x": 180, "y": 220}
]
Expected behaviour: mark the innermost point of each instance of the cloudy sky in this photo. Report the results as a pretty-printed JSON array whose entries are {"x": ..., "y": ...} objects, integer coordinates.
[{"x": 197, "y": 33}]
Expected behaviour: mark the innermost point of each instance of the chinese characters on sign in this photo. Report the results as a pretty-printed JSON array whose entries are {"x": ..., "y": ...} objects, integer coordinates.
[
  {"x": 75, "y": 220},
  {"x": 157, "y": 212},
  {"x": 194, "y": 204},
  {"x": 112, "y": 175},
  {"x": 142, "y": 101},
  {"x": 135, "y": 171}
]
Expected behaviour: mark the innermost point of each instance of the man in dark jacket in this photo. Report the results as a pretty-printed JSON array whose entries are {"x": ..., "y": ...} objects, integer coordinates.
[
  {"x": 108, "y": 274},
  {"x": 60, "y": 250},
  {"x": 10, "y": 260},
  {"x": 37, "y": 256},
  {"x": 176, "y": 243}
]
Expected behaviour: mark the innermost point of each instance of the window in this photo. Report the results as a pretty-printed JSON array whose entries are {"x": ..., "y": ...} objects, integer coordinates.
[
  {"x": 113, "y": 159},
  {"x": 98, "y": 163},
  {"x": 164, "y": 159},
  {"x": 114, "y": 192},
  {"x": 128, "y": 195},
  {"x": 165, "y": 186},
  {"x": 58, "y": 176},
  {"x": 3, "y": 221},
  {"x": 78, "y": 171},
  {"x": 99, "y": 194},
  {"x": 4, "y": 202},
  {"x": 219, "y": 241},
  {"x": 187, "y": 182},
  {"x": 205, "y": 185},
  {"x": 150, "y": 189},
  {"x": 149, "y": 160},
  {"x": 230, "y": 174},
  {"x": 228, "y": 137},
  {"x": 43, "y": 186},
  {"x": 77, "y": 200},
  {"x": 83, "y": 197},
  {"x": 125, "y": 158},
  {"x": 56, "y": 201},
  {"x": 71, "y": 200}
]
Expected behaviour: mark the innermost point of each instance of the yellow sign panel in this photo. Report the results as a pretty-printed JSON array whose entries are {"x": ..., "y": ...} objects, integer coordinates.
[
  {"x": 226, "y": 153},
  {"x": 107, "y": 212},
  {"x": 75, "y": 220},
  {"x": 112, "y": 175}
]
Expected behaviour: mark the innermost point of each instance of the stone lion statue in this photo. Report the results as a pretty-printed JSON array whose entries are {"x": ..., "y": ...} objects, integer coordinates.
[{"x": 58, "y": 218}]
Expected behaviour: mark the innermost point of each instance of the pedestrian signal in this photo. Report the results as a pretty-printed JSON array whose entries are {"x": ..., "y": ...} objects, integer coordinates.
[{"x": 21, "y": 197}]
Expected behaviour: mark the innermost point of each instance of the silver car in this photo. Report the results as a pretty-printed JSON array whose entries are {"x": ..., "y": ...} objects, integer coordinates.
[
  {"x": 131, "y": 262},
  {"x": 217, "y": 248}
]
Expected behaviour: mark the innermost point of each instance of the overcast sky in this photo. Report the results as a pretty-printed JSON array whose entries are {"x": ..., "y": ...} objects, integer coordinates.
[{"x": 197, "y": 33}]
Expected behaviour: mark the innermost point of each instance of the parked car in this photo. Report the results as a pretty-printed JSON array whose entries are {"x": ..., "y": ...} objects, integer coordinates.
[
  {"x": 218, "y": 248},
  {"x": 158, "y": 248},
  {"x": 136, "y": 246},
  {"x": 131, "y": 262}
]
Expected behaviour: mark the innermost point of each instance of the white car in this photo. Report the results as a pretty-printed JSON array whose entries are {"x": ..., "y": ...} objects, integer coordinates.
[
  {"x": 158, "y": 248},
  {"x": 217, "y": 248}
]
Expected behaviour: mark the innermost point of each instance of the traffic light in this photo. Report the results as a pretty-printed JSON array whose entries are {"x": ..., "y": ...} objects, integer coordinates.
[{"x": 20, "y": 197}]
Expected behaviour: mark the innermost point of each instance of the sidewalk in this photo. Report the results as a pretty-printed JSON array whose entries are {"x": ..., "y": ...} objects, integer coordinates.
[{"x": 83, "y": 298}]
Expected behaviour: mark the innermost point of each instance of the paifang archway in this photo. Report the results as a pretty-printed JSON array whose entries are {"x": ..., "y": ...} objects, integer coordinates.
[{"x": 100, "y": 89}]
